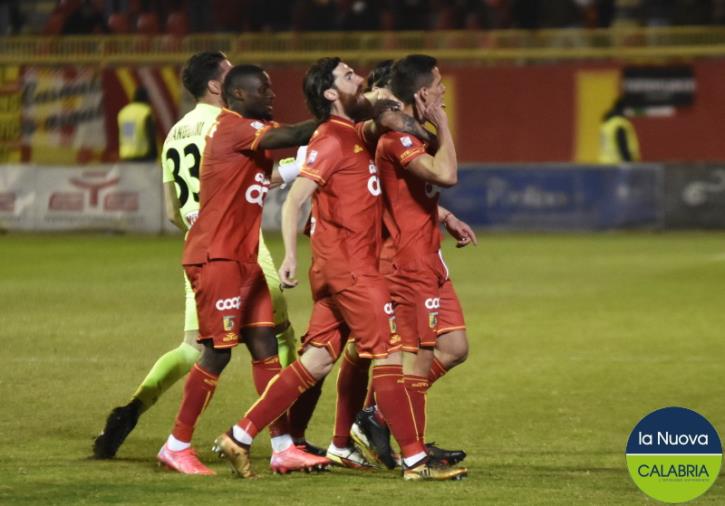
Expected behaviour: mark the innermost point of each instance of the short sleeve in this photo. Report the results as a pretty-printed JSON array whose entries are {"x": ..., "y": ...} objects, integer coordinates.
[
  {"x": 323, "y": 158},
  {"x": 403, "y": 148},
  {"x": 245, "y": 133}
]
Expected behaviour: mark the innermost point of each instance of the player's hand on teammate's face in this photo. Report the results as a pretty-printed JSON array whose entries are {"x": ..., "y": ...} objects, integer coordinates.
[
  {"x": 430, "y": 107},
  {"x": 461, "y": 232},
  {"x": 287, "y": 273}
]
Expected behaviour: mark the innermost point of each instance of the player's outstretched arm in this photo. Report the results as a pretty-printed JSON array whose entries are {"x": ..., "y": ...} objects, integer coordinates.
[
  {"x": 171, "y": 204},
  {"x": 301, "y": 191},
  {"x": 459, "y": 229},
  {"x": 287, "y": 136},
  {"x": 287, "y": 169},
  {"x": 388, "y": 116}
]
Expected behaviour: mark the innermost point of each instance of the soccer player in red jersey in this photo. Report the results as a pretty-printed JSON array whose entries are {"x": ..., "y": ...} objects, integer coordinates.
[
  {"x": 220, "y": 257},
  {"x": 430, "y": 319},
  {"x": 350, "y": 295}
]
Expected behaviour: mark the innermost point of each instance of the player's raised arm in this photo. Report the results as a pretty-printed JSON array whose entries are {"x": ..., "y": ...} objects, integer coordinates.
[
  {"x": 441, "y": 169},
  {"x": 301, "y": 191},
  {"x": 287, "y": 136},
  {"x": 388, "y": 116}
]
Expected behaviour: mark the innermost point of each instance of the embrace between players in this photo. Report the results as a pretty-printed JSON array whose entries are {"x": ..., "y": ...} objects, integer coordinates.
[{"x": 382, "y": 298}]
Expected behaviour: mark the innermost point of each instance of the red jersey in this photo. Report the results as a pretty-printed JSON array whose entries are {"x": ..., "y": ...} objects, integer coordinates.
[
  {"x": 234, "y": 183},
  {"x": 346, "y": 208},
  {"x": 411, "y": 203}
]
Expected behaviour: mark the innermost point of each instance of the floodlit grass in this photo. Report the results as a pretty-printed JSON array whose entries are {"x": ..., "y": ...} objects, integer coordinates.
[{"x": 574, "y": 338}]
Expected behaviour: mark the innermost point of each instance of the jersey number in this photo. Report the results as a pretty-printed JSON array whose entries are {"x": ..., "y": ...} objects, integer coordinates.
[{"x": 173, "y": 155}]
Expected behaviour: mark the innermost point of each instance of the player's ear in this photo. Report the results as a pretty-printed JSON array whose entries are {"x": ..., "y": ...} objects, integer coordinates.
[
  {"x": 215, "y": 87},
  {"x": 330, "y": 94}
]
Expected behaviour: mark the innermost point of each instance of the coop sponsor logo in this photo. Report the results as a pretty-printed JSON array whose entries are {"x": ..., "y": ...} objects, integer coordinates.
[
  {"x": 432, "y": 303},
  {"x": 674, "y": 454},
  {"x": 225, "y": 304}
]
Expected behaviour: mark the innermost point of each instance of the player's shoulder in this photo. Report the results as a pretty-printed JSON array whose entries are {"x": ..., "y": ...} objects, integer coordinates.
[
  {"x": 394, "y": 141},
  {"x": 326, "y": 134}
]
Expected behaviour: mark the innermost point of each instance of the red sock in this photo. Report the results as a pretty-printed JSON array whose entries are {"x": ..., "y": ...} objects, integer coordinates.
[
  {"x": 370, "y": 397},
  {"x": 417, "y": 388},
  {"x": 437, "y": 369},
  {"x": 198, "y": 391},
  {"x": 300, "y": 413},
  {"x": 263, "y": 371},
  {"x": 394, "y": 402},
  {"x": 279, "y": 395},
  {"x": 352, "y": 382}
]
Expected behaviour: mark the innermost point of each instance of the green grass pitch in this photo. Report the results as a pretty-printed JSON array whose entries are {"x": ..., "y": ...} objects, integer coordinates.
[{"x": 574, "y": 338}]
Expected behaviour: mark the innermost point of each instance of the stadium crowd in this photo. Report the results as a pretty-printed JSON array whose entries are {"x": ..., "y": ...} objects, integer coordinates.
[{"x": 180, "y": 17}]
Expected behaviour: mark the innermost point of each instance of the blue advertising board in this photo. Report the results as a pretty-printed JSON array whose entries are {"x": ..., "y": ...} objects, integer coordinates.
[{"x": 557, "y": 197}]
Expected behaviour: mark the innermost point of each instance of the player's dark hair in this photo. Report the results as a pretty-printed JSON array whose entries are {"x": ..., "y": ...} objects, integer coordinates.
[
  {"x": 235, "y": 76},
  {"x": 200, "y": 69},
  {"x": 318, "y": 79},
  {"x": 379, "y": 77},
  {"x": 410, "y": 74}
]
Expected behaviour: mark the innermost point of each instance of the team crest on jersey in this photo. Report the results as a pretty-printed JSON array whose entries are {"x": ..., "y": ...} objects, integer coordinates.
[
  {"x": 312, "y": 157},
  {"x": 229, "y": 336},
  {"x": 256, "y": 125},
  {"x": 228, "y": 322},
  {"x": 357, "y": 148},
  {"x": 432, "y": 320},
  {"x": 406, "y": 141}
]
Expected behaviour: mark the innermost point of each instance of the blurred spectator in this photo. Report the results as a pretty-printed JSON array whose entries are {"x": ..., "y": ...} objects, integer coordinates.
[
  {"x": 409, "y": 14},
  {"x": 316, "y": 15},
  {"x": 692, "y": 12},
  {"x": 617, "y": 138},
  {"x": 272, "y": 15},
  {"x": 136, "y": 129},
  {"x": 487, "y": 14},
  {"x": 10, "y": 18},
  {"x": 360, "y": 15},
  {"x": 241, "y": 16},
  {"x": 85, "y": 19},
  {"x": 657, "y": 12}
]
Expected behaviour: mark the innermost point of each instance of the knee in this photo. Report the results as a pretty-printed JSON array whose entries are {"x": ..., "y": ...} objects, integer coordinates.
[
  {"x": 317, "y": 362},
  {"x": 214, "y": 360},
  {"x": 261, "y": 343},
  {"x": 454, "y": 352},
  {"x": 460, "y": 356}
]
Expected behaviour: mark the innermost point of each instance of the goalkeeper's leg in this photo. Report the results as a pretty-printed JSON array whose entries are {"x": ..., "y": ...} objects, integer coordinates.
[{"x": 167, "y": 370}]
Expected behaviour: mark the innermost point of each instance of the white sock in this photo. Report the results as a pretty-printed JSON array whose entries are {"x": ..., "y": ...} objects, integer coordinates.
[
  {"x": 175, "y": 445},
  {"x": 280, "y": 443},
  {"x": 340, "y": 451},
  {"x": 409, "y": 461},
  {"x": 242, "y": 435}
]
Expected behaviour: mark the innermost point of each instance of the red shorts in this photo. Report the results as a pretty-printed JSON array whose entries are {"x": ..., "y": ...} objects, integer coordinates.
[
  {"x": 352, "y": 303},
  {"x": 426, "y": 304},
  {"x": 229, "y": 297}
]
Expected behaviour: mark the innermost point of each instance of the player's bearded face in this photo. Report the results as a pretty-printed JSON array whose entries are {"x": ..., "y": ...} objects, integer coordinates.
[
  {"x": 355, "y": 104},
  {"x": 350, "y": 87}
]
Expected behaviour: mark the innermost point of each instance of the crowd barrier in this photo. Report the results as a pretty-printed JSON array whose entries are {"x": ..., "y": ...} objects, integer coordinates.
[{"x": 128, "y": 197}]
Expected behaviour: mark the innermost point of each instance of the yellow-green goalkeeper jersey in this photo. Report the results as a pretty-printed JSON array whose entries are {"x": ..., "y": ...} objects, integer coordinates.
[{"x": 181, "y": 157}]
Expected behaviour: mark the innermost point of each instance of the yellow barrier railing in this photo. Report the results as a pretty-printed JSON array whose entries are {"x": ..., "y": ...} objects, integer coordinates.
[{"x": 288, "y": 47}]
